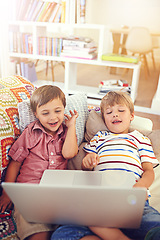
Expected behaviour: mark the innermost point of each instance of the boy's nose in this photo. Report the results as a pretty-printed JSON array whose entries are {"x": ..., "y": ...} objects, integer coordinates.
[
  {"x": 52, "y": 116},
  {"x": 116, "y": 114}
]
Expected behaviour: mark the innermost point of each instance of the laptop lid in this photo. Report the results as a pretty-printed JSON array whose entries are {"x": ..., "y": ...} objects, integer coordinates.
[{"x": 78, "y": 203}]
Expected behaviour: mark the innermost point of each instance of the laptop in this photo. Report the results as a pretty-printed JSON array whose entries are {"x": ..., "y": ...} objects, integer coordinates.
[{"x": 91, "y": 198}]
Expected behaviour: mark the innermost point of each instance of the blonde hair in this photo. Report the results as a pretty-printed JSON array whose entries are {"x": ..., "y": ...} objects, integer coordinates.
[
  {"x": 45, "y": 94},
  {"x": 115, "y": 97}
]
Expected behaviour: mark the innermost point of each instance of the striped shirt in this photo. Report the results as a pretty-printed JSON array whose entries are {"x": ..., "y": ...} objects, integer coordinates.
[{"x": 124, "y": 152}]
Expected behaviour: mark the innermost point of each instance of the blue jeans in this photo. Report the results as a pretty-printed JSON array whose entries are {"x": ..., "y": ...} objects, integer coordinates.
[
  {"x": 150, "y": 221},
  {"x": 71, "y": 232}
]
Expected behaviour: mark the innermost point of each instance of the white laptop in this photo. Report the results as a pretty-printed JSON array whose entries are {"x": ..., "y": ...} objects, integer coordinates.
[{"x": 80, "y": 197}]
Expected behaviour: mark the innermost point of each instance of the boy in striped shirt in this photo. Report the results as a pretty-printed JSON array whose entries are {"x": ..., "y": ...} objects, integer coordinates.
[{"x": 117, "y": 149}]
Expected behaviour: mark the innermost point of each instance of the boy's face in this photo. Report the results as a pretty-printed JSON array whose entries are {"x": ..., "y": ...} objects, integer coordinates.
[
  {"x": 51, "y": 115},
  {"x": 117, "y": 118}
]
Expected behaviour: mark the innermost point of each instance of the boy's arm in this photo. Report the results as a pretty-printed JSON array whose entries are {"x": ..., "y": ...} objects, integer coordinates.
[
  {"x": 70, "y": 146},
  {"x": 11, "y": 176},
  {"x": 148, "y": 176},
  {"x": 90, "y": 161}
]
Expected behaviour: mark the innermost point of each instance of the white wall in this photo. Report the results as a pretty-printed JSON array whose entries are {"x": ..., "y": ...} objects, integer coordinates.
[{"x": 124, "y": 12}]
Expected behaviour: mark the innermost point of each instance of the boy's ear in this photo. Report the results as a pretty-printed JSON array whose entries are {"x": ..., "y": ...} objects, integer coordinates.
[
  {"x": 35, "y": 114},
  {"x": 132, "y": 116}
]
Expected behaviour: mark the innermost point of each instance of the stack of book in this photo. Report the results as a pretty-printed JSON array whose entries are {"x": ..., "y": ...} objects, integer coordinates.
[
  {"x": 114, "y": 85},
  {"x": 79, "y": 47},
  {"x": 41, "y": 11}
]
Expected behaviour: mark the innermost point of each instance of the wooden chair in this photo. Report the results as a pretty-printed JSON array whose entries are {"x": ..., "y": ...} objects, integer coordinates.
[
  {"x": 139, "y": 41},
  {"x": 52, "y": 66}
]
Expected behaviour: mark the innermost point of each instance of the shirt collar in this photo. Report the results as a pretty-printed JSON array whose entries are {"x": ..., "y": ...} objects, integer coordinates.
[{"x": 39, "y": 126}]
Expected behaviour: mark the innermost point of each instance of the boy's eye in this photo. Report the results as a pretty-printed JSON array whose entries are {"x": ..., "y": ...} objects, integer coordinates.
[
  {"x": 109, "y": 112},
  {"x": 45, "y": 113},
  {"x": 121, "y": 110},
  {"x": 57, "y": 111}
]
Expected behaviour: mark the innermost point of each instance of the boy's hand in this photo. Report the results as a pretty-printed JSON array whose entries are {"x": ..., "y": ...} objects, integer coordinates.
[
  {"x": 5, "y": 202},
  {"x": 71, "y": 120},
  {"x": 90, "y": 161}
]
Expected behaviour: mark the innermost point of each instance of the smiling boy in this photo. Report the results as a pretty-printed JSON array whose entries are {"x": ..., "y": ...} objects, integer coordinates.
[
  {"x": 117, "y": 149},
  {"x": 44, "y": 144}
]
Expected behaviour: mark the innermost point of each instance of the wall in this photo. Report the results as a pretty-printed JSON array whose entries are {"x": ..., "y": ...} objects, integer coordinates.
[
  {"x": 124, "y": 12},
  {"x": 117, "y": 13}
]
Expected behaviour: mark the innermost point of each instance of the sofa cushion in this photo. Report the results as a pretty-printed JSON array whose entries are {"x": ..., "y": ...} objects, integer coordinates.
[
  {"x": 77, "y": 102},
  {"x": 13, "y": 89},
  {"x": 95, "y": 123}
]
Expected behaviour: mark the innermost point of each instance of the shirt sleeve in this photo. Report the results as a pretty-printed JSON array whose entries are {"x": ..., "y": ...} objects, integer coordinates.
[
  {"x": 92, "y": 145},
  {"x": 146, "y": 152},
  {"x": 20, "y": 149}
]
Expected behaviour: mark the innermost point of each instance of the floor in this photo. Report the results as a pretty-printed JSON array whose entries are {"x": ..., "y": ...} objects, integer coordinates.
[{"x": 92, "y": 75}]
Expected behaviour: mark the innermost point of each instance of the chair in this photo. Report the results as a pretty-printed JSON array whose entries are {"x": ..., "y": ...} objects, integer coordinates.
[
  {"x": 52, "y": 66},
  {"x": 139, "y": 41}
]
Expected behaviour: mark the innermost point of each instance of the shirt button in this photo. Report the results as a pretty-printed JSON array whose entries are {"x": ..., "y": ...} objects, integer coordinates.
[
  {"x": 52, "y": 153},
  {"x": 52, "y": 162}
]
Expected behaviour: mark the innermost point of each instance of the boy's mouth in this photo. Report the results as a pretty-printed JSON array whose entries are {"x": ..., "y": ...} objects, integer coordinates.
[
  {"x": 53, "y": 124},
  {"x": 116, "y": 121}
]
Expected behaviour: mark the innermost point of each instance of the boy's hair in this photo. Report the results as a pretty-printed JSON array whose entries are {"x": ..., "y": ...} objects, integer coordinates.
[
  {"x": 115, "y": 97},
  {"x": 45, "y": 94}
]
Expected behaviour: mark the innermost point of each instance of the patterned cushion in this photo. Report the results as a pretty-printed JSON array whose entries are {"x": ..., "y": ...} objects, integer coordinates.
[
  {"x": 13, "y": 90},
  {"x": 8, "y": 229},
  {"x": 78, "y": 102}
]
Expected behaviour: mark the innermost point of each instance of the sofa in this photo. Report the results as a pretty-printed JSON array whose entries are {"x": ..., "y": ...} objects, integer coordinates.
[{"x": 16, "y": 114}]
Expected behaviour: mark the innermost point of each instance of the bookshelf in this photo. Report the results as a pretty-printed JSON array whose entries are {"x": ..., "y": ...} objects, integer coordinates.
[{"x": 31, "y": 31}]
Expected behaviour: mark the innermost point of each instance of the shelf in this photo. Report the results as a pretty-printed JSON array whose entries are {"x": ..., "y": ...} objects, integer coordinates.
[
  {"x": 99, "y": 33},
  {"x": 77, "y": 60}
]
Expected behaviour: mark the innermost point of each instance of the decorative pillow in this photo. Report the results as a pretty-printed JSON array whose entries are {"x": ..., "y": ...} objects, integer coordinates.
[
  {"x": 95, "y": 124},
  {"x": 13, "y": 89},
  {"x": 77, "y": 102}
]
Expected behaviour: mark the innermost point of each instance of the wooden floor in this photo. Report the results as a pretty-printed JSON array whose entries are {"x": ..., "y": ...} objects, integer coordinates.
[{"x": 88, "y": 75}]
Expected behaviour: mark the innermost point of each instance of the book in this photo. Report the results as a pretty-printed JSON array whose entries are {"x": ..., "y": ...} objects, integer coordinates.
[
  {"x": 42, "y": 12},
  {"x": 63, "y": 11},
  {"x": 23, "y": 5},
  {"x": 54, "y": 12},
  {"x": 114, "y": 85},
  {"x": 45, "y": 13},
  {"x": 119, "y": 58},
  {"x": 77, "y": 42},
  {"x": 82, "y": 55},
  {"x": 57, "y": 18},
  {"x": 33, "y": 7},
  {"x": 30, "y": 44},
  {"x": 49, "y": 12},
  {"x": 28, "y": 9},
  {"x": 29, "y": 71},
  {"x": 39, "y": 12},
  {"x": 81, "y": 11},
  {"x": 36, "y": 11},
  {"x": 104, "y": 92},
  {"x": 83, "y": 49}
]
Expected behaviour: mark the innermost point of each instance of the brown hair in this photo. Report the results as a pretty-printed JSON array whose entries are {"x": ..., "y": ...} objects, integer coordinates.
[
  {"x": 45, "y": 94},
  {"x": 115, "y": 97}
]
